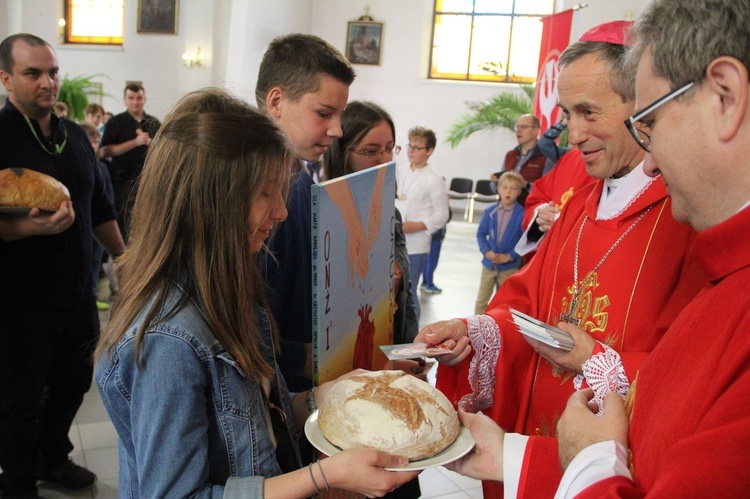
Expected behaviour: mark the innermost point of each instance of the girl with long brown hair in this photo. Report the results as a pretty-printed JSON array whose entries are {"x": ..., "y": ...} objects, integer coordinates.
[{"x": 186, "y": 367}]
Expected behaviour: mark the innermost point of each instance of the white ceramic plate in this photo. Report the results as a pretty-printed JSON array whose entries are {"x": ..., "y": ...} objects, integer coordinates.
[{"x": 458, "y": 449}]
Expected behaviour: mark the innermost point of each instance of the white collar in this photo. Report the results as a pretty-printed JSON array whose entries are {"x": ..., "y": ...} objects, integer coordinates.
[{"x": 619, "y": 193}]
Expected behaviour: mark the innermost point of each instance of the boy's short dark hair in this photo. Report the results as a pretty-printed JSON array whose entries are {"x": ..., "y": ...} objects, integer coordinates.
[
  {"x": 295, "y": 63},
  {"x": 94, "y": 108},
  {"x": 426, "y": 134},
  {"x": 133, "y": 87}
]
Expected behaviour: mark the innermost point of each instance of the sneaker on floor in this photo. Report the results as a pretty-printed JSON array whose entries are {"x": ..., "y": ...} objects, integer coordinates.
[
  {"x": 101, "y": 305},
  {"x": 70, "y": 475},
  {"x": 430, "y": 289}
]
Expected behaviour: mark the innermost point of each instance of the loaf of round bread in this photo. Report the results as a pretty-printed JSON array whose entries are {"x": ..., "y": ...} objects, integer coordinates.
[
  {"x": 389, "y": 411},
  {"x": 28, "y": 188}
]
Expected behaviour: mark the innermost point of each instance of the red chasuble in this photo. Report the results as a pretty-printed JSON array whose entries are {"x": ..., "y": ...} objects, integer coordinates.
[
  {"x": 620, "y": 304},
  {"x": 690, "y": 431}
]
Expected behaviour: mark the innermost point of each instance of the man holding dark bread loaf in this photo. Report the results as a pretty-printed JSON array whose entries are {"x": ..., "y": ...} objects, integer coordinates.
[{"x": 48, "y": 319}]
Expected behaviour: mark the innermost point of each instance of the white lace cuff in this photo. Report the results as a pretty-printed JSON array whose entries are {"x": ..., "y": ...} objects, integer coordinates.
[
  {"x": 484, "y": 335},
  {"x": 604, "y": 373}
]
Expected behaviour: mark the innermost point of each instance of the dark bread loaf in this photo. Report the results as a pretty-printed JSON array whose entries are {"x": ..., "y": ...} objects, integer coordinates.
[{"x": 21, "y": 187}]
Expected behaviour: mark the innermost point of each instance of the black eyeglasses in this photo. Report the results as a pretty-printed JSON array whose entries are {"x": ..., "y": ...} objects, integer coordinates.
[
  {"x": 377, "y": 152},
  {"x": 641, "y": 137},
  {"x": 415, "y": 148}
]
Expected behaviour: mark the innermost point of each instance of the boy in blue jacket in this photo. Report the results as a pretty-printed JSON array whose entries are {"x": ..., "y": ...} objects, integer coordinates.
[{"x": 498, "y": 233}]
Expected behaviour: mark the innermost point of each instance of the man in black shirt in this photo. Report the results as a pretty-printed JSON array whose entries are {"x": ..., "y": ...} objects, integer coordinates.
[
  {"x": 126, "y": 139},
  {"x": 48, "y": 319}
]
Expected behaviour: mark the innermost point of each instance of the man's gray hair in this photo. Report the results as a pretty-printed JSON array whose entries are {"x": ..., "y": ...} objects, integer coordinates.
[
  {"x": 621, "y": 79},
  {"x": 686, "y": 35}
]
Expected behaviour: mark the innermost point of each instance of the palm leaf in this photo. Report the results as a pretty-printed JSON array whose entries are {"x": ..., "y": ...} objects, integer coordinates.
[
  {"x": 75, "y": 93},
  {"x": 499, "y": 111}
]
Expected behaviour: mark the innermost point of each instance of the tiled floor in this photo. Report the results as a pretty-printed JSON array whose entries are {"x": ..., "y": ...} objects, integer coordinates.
[{"x": 457, "y": 274}]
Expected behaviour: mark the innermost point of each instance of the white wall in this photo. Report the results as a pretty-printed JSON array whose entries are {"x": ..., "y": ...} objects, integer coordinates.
[
  {"x": 399, "y": 84},
  {"x": 234, "y": 34},
  {"x": 154, "y": 59},
  {"x": 252, "y": 26},
  {"x": 599, "y": 11}
]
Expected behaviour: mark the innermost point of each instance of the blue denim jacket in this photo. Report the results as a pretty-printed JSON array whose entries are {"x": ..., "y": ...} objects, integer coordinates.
[{"x": 190, "y": 423}]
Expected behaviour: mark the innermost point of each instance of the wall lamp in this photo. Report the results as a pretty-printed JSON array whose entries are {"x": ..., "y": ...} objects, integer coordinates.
[
  {"x": 193, "y": 59},
  {"x": 61, "y": 30}
]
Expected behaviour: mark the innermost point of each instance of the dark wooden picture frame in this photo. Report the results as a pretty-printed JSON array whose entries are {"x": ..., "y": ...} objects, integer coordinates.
[
  {"x": 363, "y": 42},
  {"x": 158, "y": 16}
]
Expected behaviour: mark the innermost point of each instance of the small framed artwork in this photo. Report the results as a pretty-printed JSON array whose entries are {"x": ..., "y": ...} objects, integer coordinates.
[
  {"x": 363, "y": 41},
  {"x": 157, "y": 16},
  {"x": 97, "y": 92}
]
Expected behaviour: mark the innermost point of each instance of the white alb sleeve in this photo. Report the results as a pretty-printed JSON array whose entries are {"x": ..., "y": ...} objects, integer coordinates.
[
  {"x": 594, "y": 463},
  {"x": 514, "y": 448}
]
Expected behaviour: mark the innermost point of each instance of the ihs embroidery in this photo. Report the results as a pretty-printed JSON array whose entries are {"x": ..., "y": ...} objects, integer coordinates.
[{"x": 584, "y": 309}]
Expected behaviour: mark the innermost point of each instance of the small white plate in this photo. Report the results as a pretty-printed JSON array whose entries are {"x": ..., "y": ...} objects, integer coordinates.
[{"x": 458, "y": 449}]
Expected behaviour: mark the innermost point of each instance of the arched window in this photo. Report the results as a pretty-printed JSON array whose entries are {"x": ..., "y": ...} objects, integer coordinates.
[
  {"x": 93, "y": 22},
  {"x": 487, "y": 40}
]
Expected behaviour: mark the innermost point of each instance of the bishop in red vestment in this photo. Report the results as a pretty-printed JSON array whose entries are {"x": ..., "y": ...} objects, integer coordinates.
[
  {"x": 610, "y": 264},
  {"x": 689, "y": 432}
]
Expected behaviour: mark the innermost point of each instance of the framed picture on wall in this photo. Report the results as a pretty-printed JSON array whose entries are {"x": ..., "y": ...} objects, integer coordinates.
[
  {"x": 363, "y": 41},
  {"x": 157, "y": 16}
]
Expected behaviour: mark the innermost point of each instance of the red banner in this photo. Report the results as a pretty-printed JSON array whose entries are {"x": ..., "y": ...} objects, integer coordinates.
[{"x": 555, "y": 38}]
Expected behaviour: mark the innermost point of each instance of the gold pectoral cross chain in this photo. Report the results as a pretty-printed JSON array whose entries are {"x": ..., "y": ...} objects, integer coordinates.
[{"x": 579, "y": 289}]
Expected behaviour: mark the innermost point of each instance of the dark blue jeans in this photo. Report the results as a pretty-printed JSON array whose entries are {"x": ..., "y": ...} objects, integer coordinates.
[{"x": 432, "y": 261}]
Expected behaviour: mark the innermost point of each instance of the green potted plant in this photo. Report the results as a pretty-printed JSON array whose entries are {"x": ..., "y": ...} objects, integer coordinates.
[
  {"x": 499, "y": 111},
  {"x": 75, "y": 93}
]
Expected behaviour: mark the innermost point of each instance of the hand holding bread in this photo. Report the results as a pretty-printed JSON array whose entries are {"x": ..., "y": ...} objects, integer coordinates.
[
  {"x": 21, "y": 187},
  {"x": 38, "y": 205}
]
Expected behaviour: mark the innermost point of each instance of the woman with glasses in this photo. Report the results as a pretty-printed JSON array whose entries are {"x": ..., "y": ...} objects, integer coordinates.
[{"x": 368, "y": 140}]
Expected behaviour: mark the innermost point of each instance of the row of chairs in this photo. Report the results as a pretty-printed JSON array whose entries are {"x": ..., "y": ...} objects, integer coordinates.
[{"x": 464, "y": 188}]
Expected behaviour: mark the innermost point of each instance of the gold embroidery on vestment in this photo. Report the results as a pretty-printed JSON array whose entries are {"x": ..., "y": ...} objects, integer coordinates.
[
  {"x": 588, "y": 309},
  {"x": 564, "y": 198},
  {"x": 546, "y": 429}
]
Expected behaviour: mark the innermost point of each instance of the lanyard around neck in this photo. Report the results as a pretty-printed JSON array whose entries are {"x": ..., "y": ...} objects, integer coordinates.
[{"x": 58, "y": 147}]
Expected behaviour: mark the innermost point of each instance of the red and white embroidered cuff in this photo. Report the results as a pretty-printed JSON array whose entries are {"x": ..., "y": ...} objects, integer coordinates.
[
  {"x": 604, "y": 373},
  {"x": 484, "y": 335}
]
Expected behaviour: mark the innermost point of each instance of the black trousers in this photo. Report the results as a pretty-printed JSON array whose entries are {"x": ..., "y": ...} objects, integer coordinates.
[{"x": 45, "y": 370}]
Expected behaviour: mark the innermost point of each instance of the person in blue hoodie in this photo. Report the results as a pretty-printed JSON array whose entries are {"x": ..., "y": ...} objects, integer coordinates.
[{"x": 498, "y": 233}]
